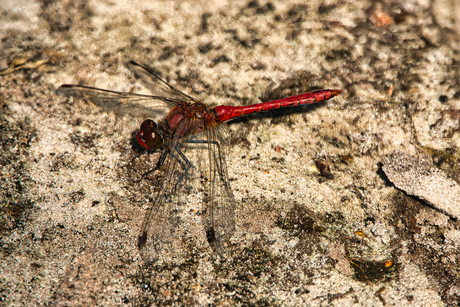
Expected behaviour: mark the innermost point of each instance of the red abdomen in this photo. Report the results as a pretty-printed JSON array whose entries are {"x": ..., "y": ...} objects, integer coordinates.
[{"x": 226, "y": 113}]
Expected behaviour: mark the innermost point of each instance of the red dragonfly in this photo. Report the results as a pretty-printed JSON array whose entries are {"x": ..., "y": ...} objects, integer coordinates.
[{"x": 194, "y": 140}]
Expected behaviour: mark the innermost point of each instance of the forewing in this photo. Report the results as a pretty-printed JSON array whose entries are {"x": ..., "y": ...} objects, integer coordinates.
[
  {"x": 162, "y": 231},
  {"x": 159, "y": 228},
  {"x": 156, "y": 84},
  {"x": 136, "y": 105}
]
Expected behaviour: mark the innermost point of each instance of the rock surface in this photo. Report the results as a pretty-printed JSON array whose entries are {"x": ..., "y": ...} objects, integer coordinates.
[
  {"x": 71, "y": 211},
  {"x": 418, "y": 176}
]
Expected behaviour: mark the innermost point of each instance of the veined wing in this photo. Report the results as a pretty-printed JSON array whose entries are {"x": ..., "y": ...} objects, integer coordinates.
[
  {"x": 122, "y": 103},
  {"x": 205, "y": 182},
  {"x": 220, "y": 220},
  {"x": 157, "y": 239},
  {"x": 207, "y": 150},
  {"x": 156, "y": 84}
]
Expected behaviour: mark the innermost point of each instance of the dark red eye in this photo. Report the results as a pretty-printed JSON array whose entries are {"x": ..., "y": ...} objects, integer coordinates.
[{"x": 149, "y": 136}]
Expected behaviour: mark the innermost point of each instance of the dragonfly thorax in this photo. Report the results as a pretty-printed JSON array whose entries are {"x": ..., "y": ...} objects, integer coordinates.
[{"x": 149, "y": 135}]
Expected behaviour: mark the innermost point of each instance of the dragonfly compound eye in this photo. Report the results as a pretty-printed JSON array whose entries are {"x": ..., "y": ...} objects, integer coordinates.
[{"x": 149, "y": 136}]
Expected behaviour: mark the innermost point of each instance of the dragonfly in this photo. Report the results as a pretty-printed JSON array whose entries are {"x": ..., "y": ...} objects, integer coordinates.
[{"x": 193, "y": 139}]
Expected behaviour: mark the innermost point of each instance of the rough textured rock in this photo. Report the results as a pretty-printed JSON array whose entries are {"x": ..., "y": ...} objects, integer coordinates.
[
  {"x": 71, "y": 210},
  {"x": 418, "y": 176}
]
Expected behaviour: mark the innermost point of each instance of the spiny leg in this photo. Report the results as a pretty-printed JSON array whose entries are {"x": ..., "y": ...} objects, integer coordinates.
[
  {"x": 189, "y": 164},
  {"x": 186, "y": 168},
  {"x": 160, "y": 163}
]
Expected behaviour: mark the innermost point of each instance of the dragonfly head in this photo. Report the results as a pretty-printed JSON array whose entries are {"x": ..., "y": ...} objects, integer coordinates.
[{"x": 149, "y": 135}]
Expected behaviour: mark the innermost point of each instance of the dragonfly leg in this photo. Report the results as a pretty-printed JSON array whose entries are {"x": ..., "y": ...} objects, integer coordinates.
[
  {"x": 160, "y": 162},
  {"x": 132, "y": 160},
  {"x": 188, "y": 164},
  {"x": 186, "y": 167}
]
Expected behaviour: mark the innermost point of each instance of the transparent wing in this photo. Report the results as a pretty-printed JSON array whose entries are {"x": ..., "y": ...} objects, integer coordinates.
[
  {"x": 121, "y": 103},
  {"x": 196, "y": 174},
  {"x": 136, "y": 105},
  {"x": 157, "y": 85},
  {"x": 159, "y": 228},
  {"x": 220, "y": 218}
]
